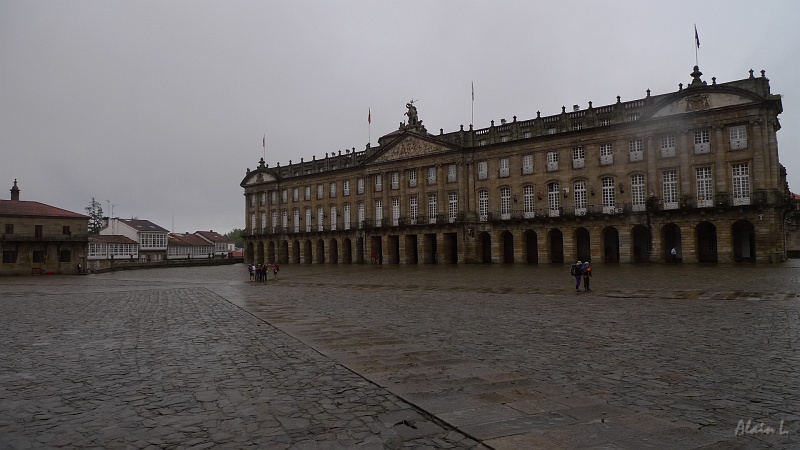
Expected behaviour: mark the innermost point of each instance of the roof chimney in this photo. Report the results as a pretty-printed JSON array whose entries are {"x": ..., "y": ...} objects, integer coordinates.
[{"x": 15, "y": 192}]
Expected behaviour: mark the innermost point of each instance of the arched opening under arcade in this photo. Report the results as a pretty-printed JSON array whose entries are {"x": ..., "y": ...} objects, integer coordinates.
[
  {"x": 307, "y": 254},
  {"x": 507, "y": 240},
  {"x": 583, "y": 244},
  {"x": 610, "y": 245},
  {"x": 484, "y": 248},
  {"x": 295, "y": 252},
  {"x": 640, "y": 237},
  {"x": 260, "y": 252},
  {"x": 347, "y": 253},
  {"x": 555, "y": 238},
  {"x": 706, "y": 233},
  {"x": 531, "y": 248},
  {"x": 320, "y": 251},
  {"x": 334, "y": 251},
  {"x": 744, "y": 241},
  {"x": 283, "y": 256},
  {"x": 250, "y": 253},
  {"x": 671, "y": 238}
]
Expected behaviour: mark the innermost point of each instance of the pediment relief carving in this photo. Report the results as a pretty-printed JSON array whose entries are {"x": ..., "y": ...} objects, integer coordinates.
[
  {"x": 410, "y": 148},
  {"x": 700, "y": 102},
  {"x": 258, "y": 178}
]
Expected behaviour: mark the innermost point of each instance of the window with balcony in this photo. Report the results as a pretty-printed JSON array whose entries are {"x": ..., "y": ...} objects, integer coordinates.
[
  {"x": 432, "y": 211},
  {"x": 274, "y": 223},
  {"x": 346, "y": 188},
  {"x": 264, "y": 225},
  {"x": 702, "y": 141},
  {"x": 552, "y": 161},
  {"x": 554, "y": 199},
  {"x": 669, "y": 180},
  {"x": 296, "y": 220},
  {"x": 308, "y": 220},
  {"x": 334, "y": 217},
  {"x": 483, "y": 205},
  {"x": 741, "y": 184},
  {"x": 606, "y": 154},
  {"x": 378, "y": 213},
  {"x": 412, "y": 178},
  {"x": 395, "y": 211},
  {"x": 483, "y": 170},
  {"x": 638, "y": 199},
  {"x": 528, "y": 201},
  {"x": 578, "y": 158},
  {"x": 285, "y": 220},
  {"x": 636, "y": 149},
  {"x": 378, "y": 183},
  {"x": 609, "y": 196},
  {"x": 705, "y": 187},
  {"x": 413, "y": 209},
  {"x": 527, "y": 164},
  {"x": 320, "y": 191},
  {"x": 738, "y": 137},
  {"x": 451, "y": 173},
  {"x": 504, "y": 169},
  {"x": 333, "y": 190},
  {"x": 361, "y": 213},
  {"x": 296, "y": 194},
  {"x": 579, "y": 193},
  {"x": 346, "y": 216},
  {"x": 320, "y": 218},
  {"x": 668, "y": 146},
  {"x": 395, "y": 180},
  {"x": 307, "y": 195},
  {"x": 285, "y": 196},
  {"x": 360, "y": 186},
  {"x": 505, "y": 203},
  {"x": 452, "y": 207},
  {"x": 274, "y": 197}
]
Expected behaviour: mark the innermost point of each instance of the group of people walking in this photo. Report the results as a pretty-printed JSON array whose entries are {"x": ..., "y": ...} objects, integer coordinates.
[
  {"x": 259, "y": 272},
  {"x": 581, "y": 271}
]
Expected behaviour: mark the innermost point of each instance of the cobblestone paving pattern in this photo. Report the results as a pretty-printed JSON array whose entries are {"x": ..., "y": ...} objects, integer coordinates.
[{"x": 653, "y": 357}]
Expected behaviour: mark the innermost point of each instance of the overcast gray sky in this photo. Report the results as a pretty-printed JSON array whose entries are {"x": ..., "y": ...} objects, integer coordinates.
[{"x": 160, "y": 107}]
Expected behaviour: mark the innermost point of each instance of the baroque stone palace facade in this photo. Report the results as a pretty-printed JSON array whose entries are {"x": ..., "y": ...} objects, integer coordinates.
[{"x": 694, "y": 170}]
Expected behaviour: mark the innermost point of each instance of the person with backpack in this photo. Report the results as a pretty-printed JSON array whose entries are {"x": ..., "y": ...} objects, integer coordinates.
[
  {"x": 587, "y": 274},
  {"x": 577, "y": 271}
]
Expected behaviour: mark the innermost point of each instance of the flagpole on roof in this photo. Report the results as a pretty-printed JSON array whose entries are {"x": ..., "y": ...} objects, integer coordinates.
[
  {"x": 696, "y": 45},
  {"x": 369, "y": 126},
  {"x": 264, "y": 144},
  {"x": 472, "y": 117}
]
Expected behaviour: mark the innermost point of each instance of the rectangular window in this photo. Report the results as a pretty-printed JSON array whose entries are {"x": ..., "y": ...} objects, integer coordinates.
[
  {"x": 378, "y": 213},
  {"x": 527, "y": 164},
  {"x": 285, "y": 195},
  {"x": 606, "y": 154},
  {"x": 705, "y": 187},
  {"x": 308, "y": 220},
  {"x": 578, "y": 158},
  {"x": 668, "y": 146},
  {"x": 605, "y": 121},
  {"x": 609, "y": 196},
  {"x": 451, "y": 173},
  {"x": 64, "y": 256},
  {"x": 738, "y": 136},
  {"x": 285, "y": 220},
  {"x": 505, "y": 203},
  {"x": 741, "y": 184},
  {"x": 334, "y": 217},
  {"x": 432, "y": 175},
  {"x": 412, "y": 178},
  {"x": 526, "y": 135},
  {"x": 579, "y": 193},
  {"x": 308, "y": 193},
  {"x": 274, "y": 223},
  {"x": 702, "y": 141},
  {"x": 274, "y": 197},
  {"x": 670, "y": 187},
  {"x": 528, "y": 201},
  {"x": 320, "y": 219},
  {"x": 296, "y": 220},
  {"x": 263, "y": 222},
  {"x": 636, "y": 149},
  {"x": 38, "y": 256},
  {"x": 637, "y": 192},
  {"x": 483, "y": 170},
  {"x": 395, "y": 211},
  {"x": 253, "y": 222},
  {"x": 378, "y": 183},
  {"x": 296, "y": 194},
  {"x": 432, "y": 208},
  {"x": 552, "y": 161},
  {"x": 577, "y": 126},
  {"x": 554, "y": 199},
  {"x": 65, "y": 230},
  {"x": 633, "y": 117},
  {"x": 346, "y": 188},
  {"x": 9, "y": 256},
  {"x": 452, "y": 207},
  {"x": 37, "y": 231},
  {"x": 483, "y": 205},
  {"x": 320, "y": 192},
  {"x": 504, "y": 169},
  {"x": 333, "y": 190},
  {"x": 395, "y": 180},
  {"x": 263, "y": 199},
  {"x": 9, "y": 228},
  {"x": 361, "y": 213},
  {"x": 346, "y": 218},
  {"x": 413, "y": 209}
]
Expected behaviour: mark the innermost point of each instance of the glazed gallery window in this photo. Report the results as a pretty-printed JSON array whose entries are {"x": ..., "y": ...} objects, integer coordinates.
[
  {"x": 579, "y": 194},
  {"x": 669, "y": 184},
  {"x": 705, "y": 187},
  {"x": 452, "y": 206},
  {"x": 413, "y": 209},
  {"x": 554, "y": 199},
  {"x": 527, "y": 164},
  {"x": 528, "y": 201},
  {"x": 638, "y": 192},
  {"x": 483, "y": 205},
  {"x": 483, "y": 170},
  {"x": 505, "y": 203}
]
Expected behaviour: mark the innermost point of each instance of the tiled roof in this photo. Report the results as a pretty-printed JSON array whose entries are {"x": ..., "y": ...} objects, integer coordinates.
[
  {"x": 187, "y": 240},
  {"x": 35, "y": 209},
  {"x": 143, "y": 225},
  {"x": 212, "y": 236},
  {"x": 110, "y": 239}
]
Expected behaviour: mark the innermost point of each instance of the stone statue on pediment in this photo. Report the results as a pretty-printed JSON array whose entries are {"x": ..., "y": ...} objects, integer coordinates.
[{"x": 413, "y": 119}]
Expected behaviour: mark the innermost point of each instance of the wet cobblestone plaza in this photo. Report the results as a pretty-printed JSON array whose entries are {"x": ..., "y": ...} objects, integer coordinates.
[{"x": 373, "y": 357}]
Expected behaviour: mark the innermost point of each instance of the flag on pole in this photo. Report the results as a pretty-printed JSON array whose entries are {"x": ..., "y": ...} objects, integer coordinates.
[
  {"x": 473, "y": 91},
  {"x": 696, "y": 37},
  {"x": 264, "y": 141},
  {"x": 369, "y": 115}
]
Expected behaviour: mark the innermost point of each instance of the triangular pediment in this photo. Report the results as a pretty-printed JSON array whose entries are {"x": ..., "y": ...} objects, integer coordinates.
[
  {"x": 700, "y": 101},
  {"x": 257, "y": 177},
  {"x": 409, "y": 147}
]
